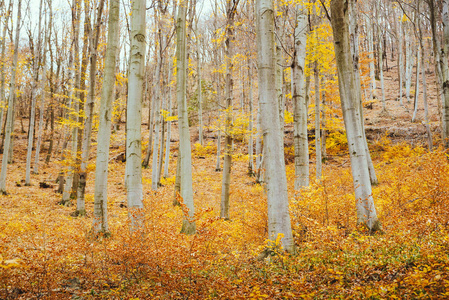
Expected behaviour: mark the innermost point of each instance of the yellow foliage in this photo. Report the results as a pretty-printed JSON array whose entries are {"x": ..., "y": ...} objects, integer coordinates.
[
  {"x": 166, "y": 115},
  {"x": 288, "y": 117},
  {"x": 202, "y": 151}
]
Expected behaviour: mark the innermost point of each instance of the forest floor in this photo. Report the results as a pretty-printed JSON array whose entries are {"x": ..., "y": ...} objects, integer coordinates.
[{"x": 47, "y": 253}]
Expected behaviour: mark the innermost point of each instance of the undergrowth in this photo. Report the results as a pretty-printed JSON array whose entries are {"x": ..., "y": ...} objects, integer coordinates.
[{"x": 47, "y": 253}]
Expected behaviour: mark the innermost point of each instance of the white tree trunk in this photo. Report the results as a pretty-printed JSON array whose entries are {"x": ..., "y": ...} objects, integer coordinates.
[
  {"x": 2, "y": 65},
  {"x": 42, "y": 99},
  {"x": 188, "y": 225},
  {"x": 161, "y": 147},
  {"x": 41, "y": 113},
  {"x": 167, "y": 141},
  {"x": 100, "y": 219},
  {"x": 317, "y": 124},
  {"x": 9, "y": 129},
  {"x": 200, "y": 99},
  {"x": 323, "y": 120},
  {"x": 418, "y": 69},
  {"x": 134, "y": 116},
  {"x": 381, "y": 69},
  {"x": 157, "y": 123},
  {"x": 426, "y": 108},
  {"x": 36, "y": 67},
  {"x": 229, "y": 86},
  {"x": 279, "y": 225},
  {"x": 218, "y": 164},
  {"x": 73, "y": 95},
  {"x": 370, "y": 37},
  {"x": 278, "y": 79},
  {"x": 400, "y": 63},
  {"x": 251, "y": 125},
  {"x": 408, "y": 66},
  {"x": 349, "y": 93},
  {"x": 31, "y": 133},
  {"x": 444, "y": 56},
  {"x": 89, "y": 112},
  {"x": 299, "y": 101},
  {"x": 354, "y": 44}
]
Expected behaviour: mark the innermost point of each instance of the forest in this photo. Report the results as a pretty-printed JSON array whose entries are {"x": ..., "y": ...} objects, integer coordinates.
[{"x": 224, "y": 149}]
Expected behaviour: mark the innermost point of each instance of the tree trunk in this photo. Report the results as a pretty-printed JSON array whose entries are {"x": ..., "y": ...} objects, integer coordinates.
[
  {"x": 9, "y": 128},
  {"x": 372, "y": 74},
  {"x": 217, "y": 52},
  {"x": 408, "y": 66},
  {"x": 218, "y": 164},
  {"x": 200, "y": 99},
  {"x": 133, "y": 119},
  {"x": 74, "y": 101},
  {"x": 251, "y": 126},
  {"x": 279, "y": 226},
  {"x": 278, "y": 79},
  {"x": 354, "y": 44},
  {"x": 438, "y": 69},
  {"x": 444, "y": 56},
  {"x": 36, "y": 67},
  {"x": 229, "y": 86},
  {"x": 349, "y": 93},
  {"x": 299, "y": 101},
  {"x": 41, "y": 113},
  {"x": 317, "y": 123},
  {"x": 185, "y": 170},
  {"x": 53, "y": 87},
  {"x": 100, "y": 219},
  {"x": 418, "y": 69},
  {"x": 381, "y": 68},
  {"x": 400, "y": 63},
  {"x": 89, "y": 111},
  {"x": 157, "y": 119},
  {"x": 167, "y": 141},
  {"x": 2, "y": 65},
  {"x": 323, "y": 120}
]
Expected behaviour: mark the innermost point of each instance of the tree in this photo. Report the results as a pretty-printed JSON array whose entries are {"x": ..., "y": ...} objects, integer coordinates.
[
  {"x": 354, "y": 44},
  {"x": 36, "y": 67},
  {"x": 9, "y": 129},
  {"x": 276, "y": 180},
  {"x": 349, "y": 93},
  {"x": 231, "y": 9},
  {"x": 299, "y": 100},
  {"x": 444, "y": 56},
  {"x": 167, "y": 141},
  {"x": 74, "y": 81},
  {"x": 2, "y": 70},
  {"x": 100, "y": 222},
  {"x": 185, "y": 151},
  {"x": 89, "y": 111},
  {"x": 133, "y": 175}
]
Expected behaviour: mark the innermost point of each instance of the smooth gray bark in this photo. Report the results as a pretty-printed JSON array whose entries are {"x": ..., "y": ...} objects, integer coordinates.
[
  {"x": 9, "y": 129},
  {"x": 444, "y": 56},
  {"x": 74, "y": 99},
  {"x": 134, "y": 116},
  {"x": 229, "y": 86},
  {"x": 279, "y": 225},
  {"x": 300, "y": 139},
  {"x": 89, "y": 112},
  {"x": 185, "y": 150},
  {"x": 100, "y": 219},
  {"x": 37, "y": 56},
  {"x": 349, "y": 93}
]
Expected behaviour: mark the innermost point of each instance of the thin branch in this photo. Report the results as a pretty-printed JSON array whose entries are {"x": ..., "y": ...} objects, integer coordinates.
[
  {"x": 325, "y": 9},
  {"x": 282, "y": 45}
]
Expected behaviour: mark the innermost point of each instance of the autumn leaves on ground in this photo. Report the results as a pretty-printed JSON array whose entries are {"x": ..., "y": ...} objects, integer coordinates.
[{"x": 48, "y": 253}]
